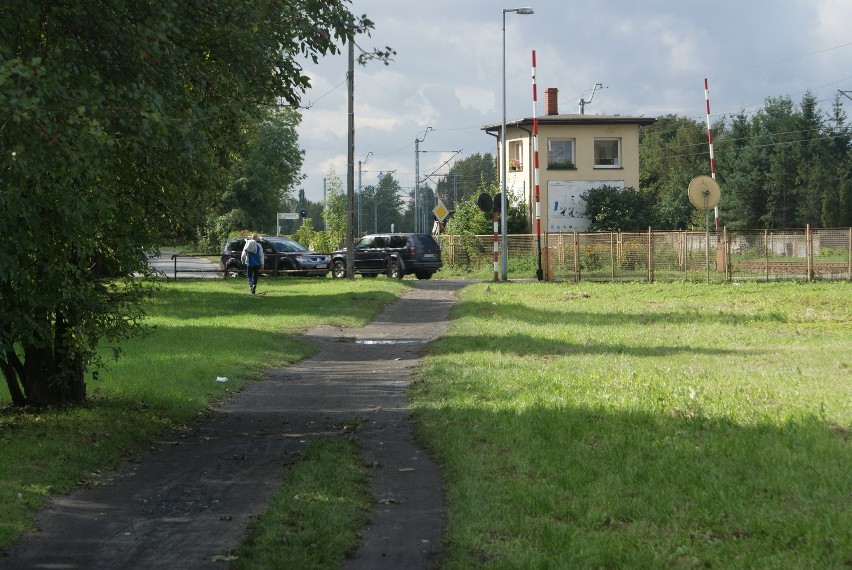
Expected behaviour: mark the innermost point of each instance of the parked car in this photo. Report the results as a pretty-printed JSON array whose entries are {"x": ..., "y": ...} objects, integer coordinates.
[
  {"x": 282, "y": 255},
  {"x": 394, "y": 255}
]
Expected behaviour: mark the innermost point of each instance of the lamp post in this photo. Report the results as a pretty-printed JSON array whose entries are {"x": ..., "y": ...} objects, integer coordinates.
[{"x": 503, "y": 201}]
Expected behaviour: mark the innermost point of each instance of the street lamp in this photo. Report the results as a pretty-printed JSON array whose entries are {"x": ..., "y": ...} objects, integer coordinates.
[{"x": 503, "y": 200}]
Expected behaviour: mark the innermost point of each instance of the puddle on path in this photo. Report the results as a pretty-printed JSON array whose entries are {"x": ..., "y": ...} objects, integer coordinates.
[{"x": 392, "y": 341}]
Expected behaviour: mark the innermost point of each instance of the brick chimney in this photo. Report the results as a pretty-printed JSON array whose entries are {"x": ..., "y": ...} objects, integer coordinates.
[{"x": 551, "y": 105}]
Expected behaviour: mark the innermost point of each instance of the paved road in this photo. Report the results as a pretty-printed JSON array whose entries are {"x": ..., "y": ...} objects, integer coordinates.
[
  {"x": 173, "y": 265},
  {"x": 189, "y": 501}
]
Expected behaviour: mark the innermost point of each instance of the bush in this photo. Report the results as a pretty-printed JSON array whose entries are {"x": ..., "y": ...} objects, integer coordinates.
[{"x": 219, "y": 229}]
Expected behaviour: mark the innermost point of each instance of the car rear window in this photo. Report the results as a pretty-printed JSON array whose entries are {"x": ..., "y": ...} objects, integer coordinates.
[
  {"x": 236, "y": 245},
  {"x": 397, "y": 242},
  {"x": 425, "y": 241}
]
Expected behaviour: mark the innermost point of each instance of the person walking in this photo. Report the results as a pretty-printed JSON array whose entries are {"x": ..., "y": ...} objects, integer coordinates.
[{"x": 252, "y": 257}]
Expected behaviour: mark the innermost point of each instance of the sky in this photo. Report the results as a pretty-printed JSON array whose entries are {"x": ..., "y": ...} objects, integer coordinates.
[{"x": 651, "y": 56}]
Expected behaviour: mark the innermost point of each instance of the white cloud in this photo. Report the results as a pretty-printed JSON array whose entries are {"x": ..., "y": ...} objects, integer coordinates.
[{"x": 652, "y": 56}]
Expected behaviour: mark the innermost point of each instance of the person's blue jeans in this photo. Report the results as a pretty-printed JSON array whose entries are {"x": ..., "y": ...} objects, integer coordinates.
[{"x": 252, "y": 271}]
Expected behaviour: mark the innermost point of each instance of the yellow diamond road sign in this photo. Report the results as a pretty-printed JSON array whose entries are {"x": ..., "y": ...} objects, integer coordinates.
[{"x": 441, "y": 211}]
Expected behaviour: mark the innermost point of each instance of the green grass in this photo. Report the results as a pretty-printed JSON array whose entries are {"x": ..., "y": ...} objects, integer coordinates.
[
  {"x": 644, "y": 426},
  {"x": 595, "y": 425},
  {"x": 312, "y": 520},
  {"x": 204, "y": 329}
]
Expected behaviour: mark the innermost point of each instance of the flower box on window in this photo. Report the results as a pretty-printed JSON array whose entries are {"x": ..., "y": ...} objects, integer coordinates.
[
  {"x": 515, "y": 165},
  {"x": 561, "y": 165}
]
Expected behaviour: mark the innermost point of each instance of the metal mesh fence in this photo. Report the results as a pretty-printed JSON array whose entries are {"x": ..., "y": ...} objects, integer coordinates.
[{"x": 664, "y": 255}]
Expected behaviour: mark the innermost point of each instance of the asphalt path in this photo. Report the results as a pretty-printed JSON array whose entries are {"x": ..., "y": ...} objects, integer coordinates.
[
  {"x": 174, "y": 265},
  {"x": 188, "y": 502}
]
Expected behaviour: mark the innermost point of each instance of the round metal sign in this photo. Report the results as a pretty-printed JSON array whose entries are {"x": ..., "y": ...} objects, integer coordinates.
[{"x": 704, "y": 192}]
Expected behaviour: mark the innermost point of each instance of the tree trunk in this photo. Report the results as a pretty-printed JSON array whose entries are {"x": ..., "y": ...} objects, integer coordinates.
[
  {"x": 50, "y": 380},
  {"x": 51, "y": 375}
]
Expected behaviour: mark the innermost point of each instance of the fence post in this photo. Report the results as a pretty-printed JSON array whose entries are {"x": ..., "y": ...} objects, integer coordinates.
[
  {"x": 766, "y": 251},
  {"x": 650, "y": 255},
  {"x": 620, "y": 247},
  {"x": 576, "y": 258},
  {"x": 612, "y": 255},
  {"x": 850, "y": 254},
  {"x": 730, "y": 264},
  {"x": 809, "y": 253}
]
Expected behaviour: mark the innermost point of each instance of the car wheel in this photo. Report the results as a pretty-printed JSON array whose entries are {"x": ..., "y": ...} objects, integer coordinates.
[
  {"x": 232, "y": 271},
  {"x": 423, "y": 274},
  {"x": 394, "y": 270},
  {"x": 338, "y": 269}
]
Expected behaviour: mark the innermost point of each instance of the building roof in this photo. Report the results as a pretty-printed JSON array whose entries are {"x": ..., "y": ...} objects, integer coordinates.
[{"x": 577, "y": 120}]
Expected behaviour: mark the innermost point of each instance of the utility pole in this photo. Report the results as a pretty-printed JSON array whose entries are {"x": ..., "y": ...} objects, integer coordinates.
[
  {"x": 360, "y": 190},
  {"x": 350, "y": 163},
  {"x": 417, "y": 142}
]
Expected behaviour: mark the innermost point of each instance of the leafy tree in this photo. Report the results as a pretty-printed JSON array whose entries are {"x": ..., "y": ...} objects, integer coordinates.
[
  {"x": 469, "y": 219},
  {"x": 785, "y": 166},
  {"x": 672, "y": 151},
  {"x": 789, "y": 166},
  {"x": 612, "y": 209},
  {"x": 334, "y": 213},
  {"x": 465, "y": 177},
  {"x": 381, "y": 205},
  {"x": 261, "y": 172},
  {"x": 118, "y": 118},
  {"x": 745, "y": 151}
]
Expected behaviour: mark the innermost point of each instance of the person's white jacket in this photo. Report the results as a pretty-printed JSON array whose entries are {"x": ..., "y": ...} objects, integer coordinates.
[{"x": 252, "y": 247}]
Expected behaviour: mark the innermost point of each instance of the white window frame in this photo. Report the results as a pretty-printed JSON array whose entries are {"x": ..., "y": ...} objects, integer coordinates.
[
  {"x": 607, "y": 161},
  {"x": 562, "y": 158},
  {"x": 516, "y": 153}
]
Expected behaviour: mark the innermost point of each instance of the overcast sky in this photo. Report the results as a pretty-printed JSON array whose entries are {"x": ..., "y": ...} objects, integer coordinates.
[{"x": 651, "y": 56}]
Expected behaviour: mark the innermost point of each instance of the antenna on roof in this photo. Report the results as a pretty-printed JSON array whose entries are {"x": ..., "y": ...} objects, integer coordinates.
[{"x": 583, "y": 102}]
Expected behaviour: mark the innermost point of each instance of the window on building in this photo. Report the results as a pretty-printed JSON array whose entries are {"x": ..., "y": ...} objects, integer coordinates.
[
  {"x": 607, "y": 153},
  {"x": 560, "y": 153},
  {"x": 516, "y": 156}
]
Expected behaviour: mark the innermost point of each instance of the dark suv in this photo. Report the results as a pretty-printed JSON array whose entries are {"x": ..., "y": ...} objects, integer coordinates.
[
  {"x": 395, "y": 255},
  {"x": 281, "y": 255}
]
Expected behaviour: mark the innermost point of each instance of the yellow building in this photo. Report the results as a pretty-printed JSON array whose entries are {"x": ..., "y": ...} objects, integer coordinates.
[{"x": 575, "y": 153}]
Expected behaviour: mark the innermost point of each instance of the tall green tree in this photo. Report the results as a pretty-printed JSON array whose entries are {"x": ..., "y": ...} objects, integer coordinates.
[
  {"x": 261, "y": 173},
  {"x": 745, "y": 152},
  {"x": 672, "y": 152},
  {"x": 836, "y": 199},
  {"x": 381, "y": 205},
  {"x": 117, "y": 118},
  {"x": 464, "y": 178},
  {"x": 267, "y": 167},
  {"x": 788, "y": 165}
]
